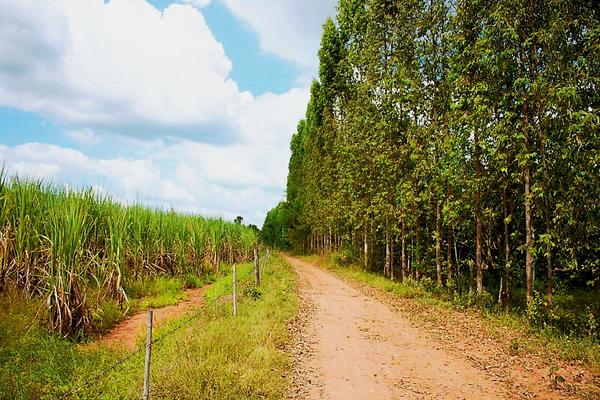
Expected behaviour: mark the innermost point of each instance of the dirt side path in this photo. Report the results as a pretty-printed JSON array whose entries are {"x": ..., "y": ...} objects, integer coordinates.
[
  {"x": 127, "y": 332},
  {"x": 363, "y": 350}
]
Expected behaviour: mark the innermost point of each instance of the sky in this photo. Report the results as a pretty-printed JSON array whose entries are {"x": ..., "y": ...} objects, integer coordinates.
[{"x": 186, "y": 104}]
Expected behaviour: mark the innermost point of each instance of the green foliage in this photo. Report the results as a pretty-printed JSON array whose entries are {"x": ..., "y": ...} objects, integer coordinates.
[
  {"x": 274, "y": 230},
  {"x": 454, "y": 143}
]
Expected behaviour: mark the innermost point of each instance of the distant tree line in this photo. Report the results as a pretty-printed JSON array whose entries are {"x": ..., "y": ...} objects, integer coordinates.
[{"x": 457, "y": 140}]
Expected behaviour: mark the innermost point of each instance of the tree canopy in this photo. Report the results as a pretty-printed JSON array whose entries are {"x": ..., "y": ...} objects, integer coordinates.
[{"x": 457, "y": 140}]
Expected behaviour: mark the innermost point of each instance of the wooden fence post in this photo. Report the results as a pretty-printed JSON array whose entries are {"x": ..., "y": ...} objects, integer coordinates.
[
  {"x": 264, "y": 267},
  {"x": 148, "y": 353},
  {"x": 234, "y": 293},
  {"x": 256, "y": 268}
]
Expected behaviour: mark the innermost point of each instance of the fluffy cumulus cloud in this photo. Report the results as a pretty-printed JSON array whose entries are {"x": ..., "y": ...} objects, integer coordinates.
[
  {"x": 121, "y": 75},
  {"x": 121, "y": 63},
  {"x": 290, "y": 29}
]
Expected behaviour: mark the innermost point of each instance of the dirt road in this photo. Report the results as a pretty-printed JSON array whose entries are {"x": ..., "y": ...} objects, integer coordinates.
[{"x": 364, "y": 350}]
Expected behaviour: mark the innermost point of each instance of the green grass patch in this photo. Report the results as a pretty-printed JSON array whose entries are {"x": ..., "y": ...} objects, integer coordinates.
[
  {"x": 160, "y": 292},
  {"x": 213, "y": 357},
  {"x": 34, "y": 364}
]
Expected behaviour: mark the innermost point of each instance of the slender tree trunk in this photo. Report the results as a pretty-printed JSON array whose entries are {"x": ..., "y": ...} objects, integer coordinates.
[
  {"x": 386, "y": 267},
  {"x": 392, "y": 275},
  {"x": 507, "y": 218},
  {"x": 479, "y": 258},
  {"x": 449, "y": 268},
  {"x": 548, "y": 221},
  {"x": 449, "y": 256},
  {"x": 458, "y": 275},
  {"x": 404, "y": 265},
  {"x": 479, "y": 228},
  {"x": 529, "y": 267},
  {"x": 438, "y": 243},
  {"x": 411, "y": 259},
  {"x": 528, "y": 231},
  {"x": 366, "y": 250},
  {"x": 418, "y": 252}
]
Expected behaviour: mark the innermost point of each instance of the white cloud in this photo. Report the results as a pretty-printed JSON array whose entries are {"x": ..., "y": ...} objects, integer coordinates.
[
  {"x": 105, "y": 64},
  {"x": 290, "y": 29},
  {"x": 272, "y": 118}
]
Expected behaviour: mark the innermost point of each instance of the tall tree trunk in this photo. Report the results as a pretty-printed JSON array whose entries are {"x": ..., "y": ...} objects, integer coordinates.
[
  {"x": 507, "y": 218},
  {"x": 418, "y": 251},
  {"x": 478, "y": 249},
  {"x": 404, "y": 265},
  {"x": 532, "y": 56},
  {"x": 438, "y": 242},
  {"x": 366, "y": 250},
  {"x": 547, "y": 216},
  {"x": 392, "y": 274},
  {"x": 528, "y": 231},
  {"x": 449, "y": 267},
  {"x": 386, "y": 267},
  {"x": 411, "y": 259}
]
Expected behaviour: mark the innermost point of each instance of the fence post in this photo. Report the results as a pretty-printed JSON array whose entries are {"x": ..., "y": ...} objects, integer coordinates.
[
  {"x": 256, "y": 268},
  {"x": 264, "y": 267},
  {"x": 234, "y": 293},
  {"x": 148, "y": 352}
]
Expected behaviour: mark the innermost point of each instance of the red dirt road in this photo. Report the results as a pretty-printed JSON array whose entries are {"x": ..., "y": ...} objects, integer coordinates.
[{"x": 364, "y": 350}]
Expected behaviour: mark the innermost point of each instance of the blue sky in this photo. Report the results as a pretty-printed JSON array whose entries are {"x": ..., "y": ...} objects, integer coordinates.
[{"x": 187, "y": 104}]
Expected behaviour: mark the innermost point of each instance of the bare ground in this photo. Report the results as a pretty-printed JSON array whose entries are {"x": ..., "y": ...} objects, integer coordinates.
[
  {"x": 359, "y": 343},
  {"x": 126, "y": 333}
]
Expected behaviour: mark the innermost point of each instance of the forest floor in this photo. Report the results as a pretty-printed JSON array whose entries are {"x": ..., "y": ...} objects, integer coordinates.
[
  {"x": 127, "y": 333},
  {"x": 361, "y": 343}
]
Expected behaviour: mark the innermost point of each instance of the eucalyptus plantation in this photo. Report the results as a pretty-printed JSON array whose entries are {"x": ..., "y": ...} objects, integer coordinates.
[{"x": 455, "y": 141}]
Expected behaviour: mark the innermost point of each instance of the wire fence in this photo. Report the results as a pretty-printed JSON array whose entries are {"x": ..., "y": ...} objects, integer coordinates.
[
  {"x": 99, "y": 375},
  {"x": 95, "y": 377}
]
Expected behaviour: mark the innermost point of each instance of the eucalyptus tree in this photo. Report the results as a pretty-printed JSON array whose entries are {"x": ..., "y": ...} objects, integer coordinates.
[{"x": 469, "y": 124}]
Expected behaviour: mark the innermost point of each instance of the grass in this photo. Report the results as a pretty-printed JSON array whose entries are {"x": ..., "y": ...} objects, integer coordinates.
[
  {"x": 34, "y": 364},
  {"x": 216, "y": 356},
  {"x": 529, "y": 336},
  {"x": 165, "y": 291}
]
